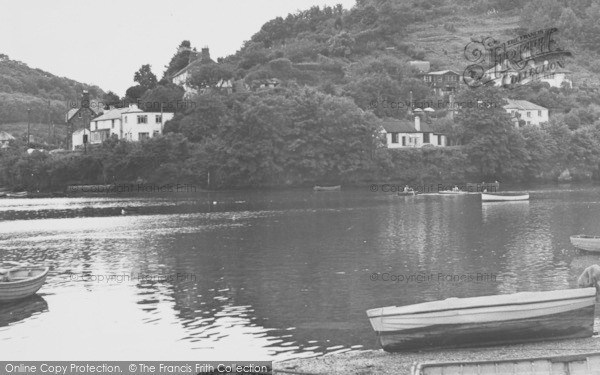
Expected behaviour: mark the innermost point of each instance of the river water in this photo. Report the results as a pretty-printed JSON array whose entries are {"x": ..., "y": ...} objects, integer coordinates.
[{"x": 269, "y": 275}]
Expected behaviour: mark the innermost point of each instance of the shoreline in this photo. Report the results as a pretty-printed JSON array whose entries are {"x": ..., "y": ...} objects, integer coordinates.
[{"x": 378, "y": 362}]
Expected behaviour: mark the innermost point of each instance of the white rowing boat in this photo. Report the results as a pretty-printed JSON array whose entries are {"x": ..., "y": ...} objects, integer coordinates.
[
  {"x": 584, "y": 242},
  {"x": 503, "y": 197},
  {"x": 21, "y": 282},
  {"x": 488, "y": 320}
]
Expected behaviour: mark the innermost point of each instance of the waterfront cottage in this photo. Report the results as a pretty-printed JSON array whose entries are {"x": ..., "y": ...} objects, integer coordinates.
[
  {"x": 531, "y": 113},
  {"x": 80, "y": 117},
  {"x": 130, "y": 123},
  {"x": 403, "y": 134}
]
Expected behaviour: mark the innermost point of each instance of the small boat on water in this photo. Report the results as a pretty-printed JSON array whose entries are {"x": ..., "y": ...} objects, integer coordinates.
[
  {"x": 21, "y": 282},
  {"x": 577, "y": 363},
  {"x": 328, "y": 188},
  {"x": 485, "y": 197},
  {"x": 20, "y": 194},
  {"x": 584, "y": 242},
  {"x": 452, "y": 192},
  {"x": 483, "y": 186},
  {"x": 487, "y": 320}
]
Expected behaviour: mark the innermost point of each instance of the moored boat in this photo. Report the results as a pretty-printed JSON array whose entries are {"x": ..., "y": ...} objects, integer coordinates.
[
  {"x": 452, "y": 192},
  {"x": 483, "y": 186},
  {"x": 584, "y": 242},
  {"x": 20, "y": 194},
  {"x": 328, "y": 188},
  {"x": 487, "y": 320},
  {"x": 21, "y": 282},
  {"x": 504, "y": 197}
]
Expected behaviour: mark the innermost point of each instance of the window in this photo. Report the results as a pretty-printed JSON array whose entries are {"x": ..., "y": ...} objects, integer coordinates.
[
  {"x": 394, "y": 137},
  {"x": 126, "y": 119},
  {"x": 425, "y": 137},
  {"x": 158, "y": 119},
  {"x": 156, "y": 133},
  {"x": 403, "y": 141},
  {"x": 142, "y": 136},
  {"x": 528, "y": 114},
  {"x": 513, "y": 112},
  {"x": 112, "y": 123},
  {"x": 439, "y": 140},
  {"x": 79, "y": 115},
  {"x": 540, "y": 113},
  {"x": 142, "y": 119},
  {"x": 95, "y": 125}
]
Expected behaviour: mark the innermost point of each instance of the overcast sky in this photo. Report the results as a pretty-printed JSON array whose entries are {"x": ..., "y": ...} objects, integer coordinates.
[{"x": 105, "y": 42}]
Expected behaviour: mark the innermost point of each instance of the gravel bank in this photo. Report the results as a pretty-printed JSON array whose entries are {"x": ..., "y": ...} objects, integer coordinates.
[{"x": 378, "y": 362}]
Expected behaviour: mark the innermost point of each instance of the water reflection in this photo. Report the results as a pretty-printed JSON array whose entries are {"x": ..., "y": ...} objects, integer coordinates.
[
  {"x": 18, "y": 311},
  {"x": 272, "y": 275}
]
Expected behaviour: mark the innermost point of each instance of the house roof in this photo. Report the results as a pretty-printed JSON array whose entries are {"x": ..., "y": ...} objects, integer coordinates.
[
  {"x": 116, "y": 113},
  {"x": 199, "y": 61},
  {"x": 73, "y": 111},
  {"x": 522, "y": 105},
  {"x": 4, "y": 136},
  {"x": 441, "y": 72},
  {"x": 392, "y": 125}
]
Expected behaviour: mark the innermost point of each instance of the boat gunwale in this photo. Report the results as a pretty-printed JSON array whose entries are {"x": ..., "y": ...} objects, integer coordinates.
[
  {"x": 475, "y": 306},
  {"x": 28, "y": 280}
]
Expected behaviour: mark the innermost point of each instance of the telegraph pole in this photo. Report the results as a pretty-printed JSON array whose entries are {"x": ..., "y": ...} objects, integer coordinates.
[{"x": 28, "y": 125}]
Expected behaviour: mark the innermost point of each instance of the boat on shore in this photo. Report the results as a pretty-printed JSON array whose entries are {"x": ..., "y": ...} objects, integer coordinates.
[
  {"x": 20, "y": 194},
  {"x": 577, "y": 363},
  {"x": 585, "y": 242},
  {"x": 485, "y": 197},
  {"x": 328, "y": 188},
  {"x": 488, "y": 320},
  {"x": 21, "y": 282}
]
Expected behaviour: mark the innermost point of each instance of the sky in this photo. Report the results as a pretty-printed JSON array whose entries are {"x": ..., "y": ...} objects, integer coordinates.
[{"x": 105, "y": 42}]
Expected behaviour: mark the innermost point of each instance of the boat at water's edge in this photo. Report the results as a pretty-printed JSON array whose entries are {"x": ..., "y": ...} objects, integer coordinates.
[
  {"x": 328, "y": 188},
  {"x": 584, "y": 242},
  {"x": 503, "y": 197},
  {"x": 21, "y": 282},
  {"x": 488, "y": 320}
]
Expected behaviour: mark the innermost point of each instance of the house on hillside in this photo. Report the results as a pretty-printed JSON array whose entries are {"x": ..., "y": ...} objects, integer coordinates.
[
  {"x": 531, "y": 113},
  {"x": 552, "y": 73},
  {"x": 443, "y": 82},
  {"x": 182, "y": 77},
  {"x": 130, "y": 123},
  {"x": 5, "y": 139},
  {"x": 420, "y": 66},
  {"x": 403, "y": 133},
  {"x": 79, "y": 118}
]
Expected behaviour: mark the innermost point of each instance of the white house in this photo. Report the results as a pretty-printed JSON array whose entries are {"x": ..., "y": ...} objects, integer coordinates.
[
  {"x": 130, "y": 123},
  {"x": 77, "y": 138},
  {"x": 403, "y": 134},
  {"x": 552, "y": 73},
  {"x": 532, "y": 114}
]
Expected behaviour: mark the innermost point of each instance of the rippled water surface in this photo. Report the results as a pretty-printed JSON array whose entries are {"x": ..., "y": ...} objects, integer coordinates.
[{"x": 273, "y": 275}]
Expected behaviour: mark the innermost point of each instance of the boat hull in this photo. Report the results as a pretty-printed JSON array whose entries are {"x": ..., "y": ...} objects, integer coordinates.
[
  {"x": 22, "y": 287},
  {"x": 503, "y": 198},
  {"x": 513, "y": 320},
  {"x": 327, "y": 188},
  {"x": 588, "y": 243}
]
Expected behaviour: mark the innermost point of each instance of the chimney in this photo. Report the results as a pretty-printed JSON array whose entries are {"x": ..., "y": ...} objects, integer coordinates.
[
  {"x": 205, "y": 55},
  {"x": 418, "y": 123},
  {"x": 85, "y": 99}
]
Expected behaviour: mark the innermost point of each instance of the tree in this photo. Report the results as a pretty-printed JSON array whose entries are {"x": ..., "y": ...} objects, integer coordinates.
[
  {"x": 145, "y": 78},
  {"x": 179, "y": 60}
]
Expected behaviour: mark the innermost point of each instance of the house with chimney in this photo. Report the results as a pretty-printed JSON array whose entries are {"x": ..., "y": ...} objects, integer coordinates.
[
  {"x": 79, "y": 117},
  {"x": 405, "y": 134},
  {"x": 130, "y": 123},
  {"x": 196, "y": 60}
]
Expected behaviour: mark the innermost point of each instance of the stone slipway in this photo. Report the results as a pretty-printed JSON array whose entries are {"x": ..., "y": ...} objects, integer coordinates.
[{"x": 378, "y": 362}]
